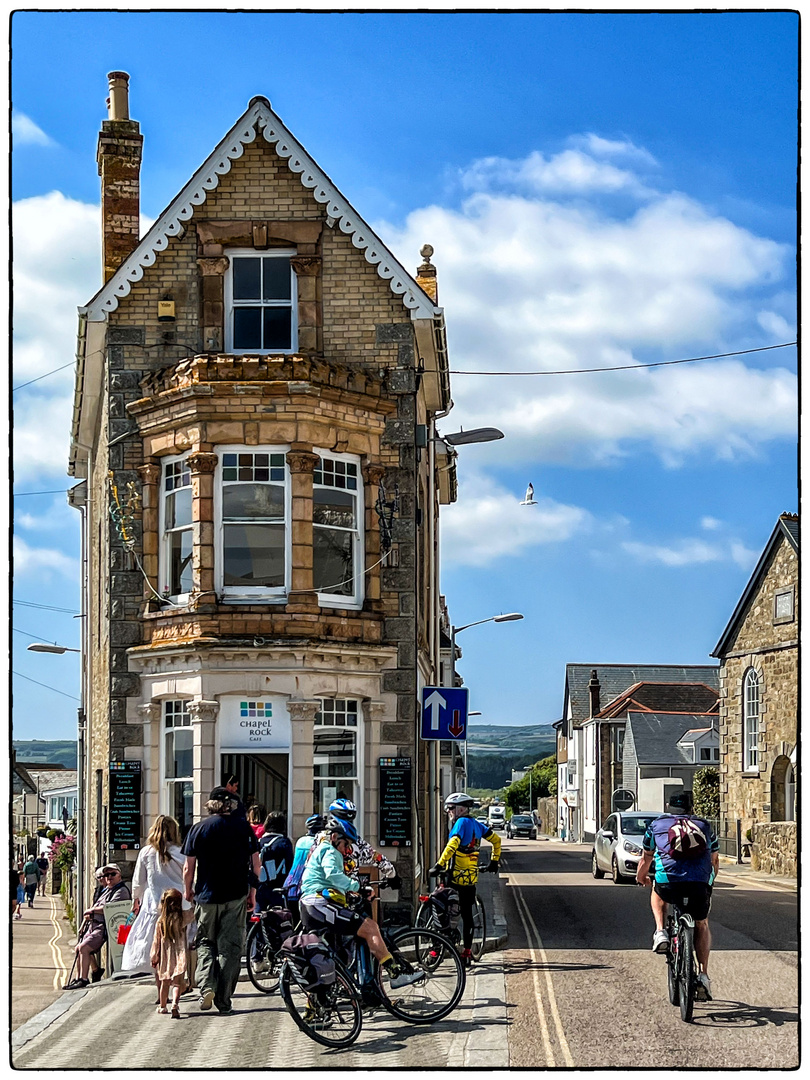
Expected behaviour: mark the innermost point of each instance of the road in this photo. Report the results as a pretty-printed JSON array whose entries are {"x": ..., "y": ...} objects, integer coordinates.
[{"x": 585, "y": 990}]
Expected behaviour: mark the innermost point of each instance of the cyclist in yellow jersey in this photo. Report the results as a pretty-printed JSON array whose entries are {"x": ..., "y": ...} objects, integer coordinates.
[{"x": 462, "y": 852}]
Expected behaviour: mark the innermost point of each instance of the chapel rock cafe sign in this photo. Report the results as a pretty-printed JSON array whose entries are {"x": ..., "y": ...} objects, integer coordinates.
[{"x": 249, "y": 722}]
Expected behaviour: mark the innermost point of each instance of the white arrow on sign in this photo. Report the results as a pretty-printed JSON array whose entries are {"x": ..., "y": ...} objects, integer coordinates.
[{"x": 434, "y": 705}]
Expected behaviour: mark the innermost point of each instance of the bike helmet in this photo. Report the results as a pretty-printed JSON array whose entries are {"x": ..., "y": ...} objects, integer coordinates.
[
  {"x": 315, "y": 823},
  {"x": 345, "y": 828},
  {"x": 343, "y": 808},
  {"x": 681, "y": 800},
  {"x": 458, "y": 798}
]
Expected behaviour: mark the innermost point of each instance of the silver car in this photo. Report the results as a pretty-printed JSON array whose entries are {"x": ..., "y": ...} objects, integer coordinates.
[{"x": 617, "y": 846}]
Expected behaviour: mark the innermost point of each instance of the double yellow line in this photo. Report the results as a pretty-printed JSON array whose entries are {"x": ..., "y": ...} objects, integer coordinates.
[
  {"x": 540, "y": 959},
  {"x": 60, "y": 972}
]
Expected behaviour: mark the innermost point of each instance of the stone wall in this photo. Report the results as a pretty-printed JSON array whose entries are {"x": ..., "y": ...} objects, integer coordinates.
[
  {"x": 774, "y": 850},
  {"x": 547, "y": 812}
]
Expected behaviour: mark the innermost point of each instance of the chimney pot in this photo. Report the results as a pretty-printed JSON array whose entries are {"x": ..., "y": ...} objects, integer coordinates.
[
  {"x": 594, "y": 688},
  {"x": 119, "y": 95}
]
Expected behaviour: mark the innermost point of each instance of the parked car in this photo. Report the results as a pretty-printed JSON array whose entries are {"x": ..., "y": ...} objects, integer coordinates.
[
  {"x": 483, "y": 820},
  {"x": 521, "y": 825},
  {"x": 617, "y": 846}
]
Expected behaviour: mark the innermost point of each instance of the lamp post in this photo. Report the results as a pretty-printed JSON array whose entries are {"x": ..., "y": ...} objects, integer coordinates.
[{"x": 43, "y": 646}]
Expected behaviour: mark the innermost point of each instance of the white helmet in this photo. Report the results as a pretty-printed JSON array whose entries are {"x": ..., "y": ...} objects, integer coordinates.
[{"x": 458, "y": 798}]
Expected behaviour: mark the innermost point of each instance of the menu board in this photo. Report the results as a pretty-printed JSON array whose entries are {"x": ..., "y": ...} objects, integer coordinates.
[
  {"x": 125, "y": 805},
  {"x": 396, "y": 813}
]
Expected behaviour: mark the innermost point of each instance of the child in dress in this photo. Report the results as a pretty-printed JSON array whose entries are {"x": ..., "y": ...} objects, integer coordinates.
[
  {"x": 20, "y": 894},
  {"x": 168, "y": 955}
]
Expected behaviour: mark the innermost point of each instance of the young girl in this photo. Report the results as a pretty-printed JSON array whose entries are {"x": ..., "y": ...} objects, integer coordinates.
[
  {"x": 168, "y": 955},
  {"x": 20, "y": 893}
]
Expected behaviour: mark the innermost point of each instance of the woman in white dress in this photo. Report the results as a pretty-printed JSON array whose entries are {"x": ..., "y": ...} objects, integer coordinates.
[{"x": 159, "y": 867}]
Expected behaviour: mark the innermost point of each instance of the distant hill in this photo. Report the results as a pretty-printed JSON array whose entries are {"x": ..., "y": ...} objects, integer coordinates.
[
  {"x": 493, "y": 750},
  {"x": 52, "y": 751}
]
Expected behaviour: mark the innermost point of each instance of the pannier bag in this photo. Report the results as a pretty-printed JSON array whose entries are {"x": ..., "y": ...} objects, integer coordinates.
[
  {"x": 446, "y": 906},
  {"x": 686, "y": 839},
  {"x": 277, "y": 926},
  {"x": 310, "y": 960}
]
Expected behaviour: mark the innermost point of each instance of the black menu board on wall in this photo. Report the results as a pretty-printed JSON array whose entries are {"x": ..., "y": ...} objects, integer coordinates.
[
  {"x": 125, "y": 805},
  {"x": 396, "y": 813}
]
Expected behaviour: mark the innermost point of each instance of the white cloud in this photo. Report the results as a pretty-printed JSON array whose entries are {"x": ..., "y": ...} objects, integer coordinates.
[
  {"x": 570, "y": 171},
  {"x": 42, "y": 562},
  {"x": 488, "y": 523},
  {"x": 691, "y": 552},
  {"x": 774, "y": 324},
  {"x": 26, "y": 133},
  {"x": 711, "y": 524},
  {"x": 600, "y": 147},
  {"x": 531, "y": 283}
]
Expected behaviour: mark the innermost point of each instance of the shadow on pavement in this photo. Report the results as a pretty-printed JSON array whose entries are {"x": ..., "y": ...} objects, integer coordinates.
[
  {"x": 738, "y": 1014},
  {"x": 388, "y": 1041}
]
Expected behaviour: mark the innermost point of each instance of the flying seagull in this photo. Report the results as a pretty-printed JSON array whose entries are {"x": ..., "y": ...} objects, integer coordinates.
[{"x": 530, "y": 499}]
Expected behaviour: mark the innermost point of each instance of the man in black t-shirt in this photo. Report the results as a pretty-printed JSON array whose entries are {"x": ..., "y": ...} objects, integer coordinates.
[{"x": 223, "y": 853}]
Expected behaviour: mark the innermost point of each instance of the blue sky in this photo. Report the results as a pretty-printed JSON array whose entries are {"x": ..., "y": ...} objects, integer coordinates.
[{"x": 600, "y": 189}]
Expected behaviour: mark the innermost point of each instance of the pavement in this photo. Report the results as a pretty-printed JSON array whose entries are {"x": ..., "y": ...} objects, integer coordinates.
[{"x": 113, "y": 1024}]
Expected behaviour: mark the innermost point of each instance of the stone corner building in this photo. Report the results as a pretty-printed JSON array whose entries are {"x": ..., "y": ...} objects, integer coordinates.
[
  {"x": 759, "y": 693},
  {"x": 254, "y": 431}
]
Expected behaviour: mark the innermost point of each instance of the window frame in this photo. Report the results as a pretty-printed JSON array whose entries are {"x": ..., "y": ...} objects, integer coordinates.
[
  {"x": 750, "y": 726},
  {"x": 356, "y": 600},
  {"x": 167, "y": 783},
  {"x": 245, "y": 593},
  {"x": 164, "y": 559},
  {"x": 358, "y": 730},
  {"x": 256, "y": 253}
]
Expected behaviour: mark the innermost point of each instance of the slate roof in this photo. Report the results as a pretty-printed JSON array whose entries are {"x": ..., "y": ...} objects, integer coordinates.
[
  {"x": 664, "y": 697},
  {"x": 787, "y": 528},
  {"x": 614, "y": 679},
  {"x": 21, "y": 782},
  {"x": 55, "y": 779},
  {"x": 654, "y": 736}
]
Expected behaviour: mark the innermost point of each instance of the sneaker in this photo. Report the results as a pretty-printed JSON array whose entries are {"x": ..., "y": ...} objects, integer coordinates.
[
  {"x": 406, "y": 978},
  {"x": 206, "y": 1000},
  {"x": 77, "y": 984},
  {"x": 260, "y": 966},
  {"x": 660, "y": 941},
  {"x": 18, "y": 915},
  {"x": 225, "y": 1011},
  {"x": 704, "y": 988}
]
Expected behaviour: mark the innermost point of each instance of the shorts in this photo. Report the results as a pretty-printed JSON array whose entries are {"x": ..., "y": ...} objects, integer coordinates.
[
  {"x": 94, "y": 938},
  {"x": 318, "y": 914},
  {"x": 692, "y": 897}
]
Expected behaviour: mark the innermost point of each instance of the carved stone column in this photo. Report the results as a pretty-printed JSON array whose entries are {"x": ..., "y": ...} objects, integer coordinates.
[
  {"x": 302, "y": 768},
  {"x": 302, "y": 598},
  {"x": 372, "y": 475},
  {"x": 203, "y": 720},
  {"x": 308, "y": 271},
  {"x": 374, "y": 713},
  {"x": 150, "y": 502},
  {"x": 202, "y": 467},
  {"x": 150, "y": 714},
  {"x": 212, "y": 291}
]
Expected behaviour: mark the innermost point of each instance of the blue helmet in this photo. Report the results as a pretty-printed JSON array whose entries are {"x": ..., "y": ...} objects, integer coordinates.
[
  {"x": 344, "y": 809},
  {"x": 315, "y": 823},
  {"x": 345, "y": 828}
]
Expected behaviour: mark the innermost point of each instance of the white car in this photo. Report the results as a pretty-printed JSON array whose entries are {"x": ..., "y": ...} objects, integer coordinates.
[{"x": 617, "y": 846}]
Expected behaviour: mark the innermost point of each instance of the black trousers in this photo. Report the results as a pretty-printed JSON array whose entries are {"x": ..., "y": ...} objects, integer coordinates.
[{"x": 466, "y": 899}]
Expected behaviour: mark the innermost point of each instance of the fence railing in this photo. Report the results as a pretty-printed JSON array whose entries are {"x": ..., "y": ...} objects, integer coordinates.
[{"x": 729, "y": 836}]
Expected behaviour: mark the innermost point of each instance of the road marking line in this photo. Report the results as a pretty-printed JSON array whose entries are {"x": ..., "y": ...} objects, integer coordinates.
[
  {"x": 537, "y": 993},
  {"x": 56, "y": 952},
  {"x": 569, "y": 1061}
]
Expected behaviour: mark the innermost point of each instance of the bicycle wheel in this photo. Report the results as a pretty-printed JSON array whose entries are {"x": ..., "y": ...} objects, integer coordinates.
[
  {"x": 443, "y": 979},
  {"x": 329, "y": 1015},
  {"x": 263, "y": 964},
  {"x": 479, "y": 940},
  {"x": 686, "y": 970}
]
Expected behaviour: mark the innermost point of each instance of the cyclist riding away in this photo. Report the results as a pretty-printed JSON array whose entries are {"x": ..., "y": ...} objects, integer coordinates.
[
  {"x": 686, "y": 857},
  {"x": 323, "y": 900},
  {"x": 463, "y": 843}
]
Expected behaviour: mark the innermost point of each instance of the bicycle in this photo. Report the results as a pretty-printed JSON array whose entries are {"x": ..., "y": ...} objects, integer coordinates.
[
  {"x": 269, "y": 929},
  {"x": 682, "y": 963},
  {"x": 333, "y": 1015},
  {"x": 433, "y": 916}
]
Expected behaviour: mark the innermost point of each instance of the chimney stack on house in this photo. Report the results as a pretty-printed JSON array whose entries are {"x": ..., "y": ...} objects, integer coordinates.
[
  {"x": 120, "y": 147},
  {"x": 594, "y": 687}
]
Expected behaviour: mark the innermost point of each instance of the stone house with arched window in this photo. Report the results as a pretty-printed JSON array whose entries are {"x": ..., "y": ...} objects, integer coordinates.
[{"x": 759, "y": 687}]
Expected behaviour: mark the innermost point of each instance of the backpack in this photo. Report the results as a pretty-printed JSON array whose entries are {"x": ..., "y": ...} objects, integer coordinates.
[
  {"x": 686, "y": 839},
  {"x": 272, "y": 863},
  {"x": 310, "y": 961},
  {"x": 446, "y": 906}
]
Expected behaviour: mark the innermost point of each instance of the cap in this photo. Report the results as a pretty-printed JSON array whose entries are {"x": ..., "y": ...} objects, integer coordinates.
[
  {"x": 110, "y": 868},
  {"x": 220, "y": 794}
]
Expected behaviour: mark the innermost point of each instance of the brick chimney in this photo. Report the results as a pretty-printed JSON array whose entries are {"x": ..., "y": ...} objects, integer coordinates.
[
  {"x": 594, "y": 686},
  {"x": 120, "y": 147},
  {"x": 426, "y": 274}
]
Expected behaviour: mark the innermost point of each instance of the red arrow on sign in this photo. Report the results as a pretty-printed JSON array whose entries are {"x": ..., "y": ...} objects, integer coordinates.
[{"x": 456, "y": 727}]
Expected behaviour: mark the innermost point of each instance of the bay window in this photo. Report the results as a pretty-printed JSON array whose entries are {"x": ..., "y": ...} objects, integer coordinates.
[
  {"x": 175, "y": 529},
  {"x": 253, "y": 504},
  {"x": 261, "y": 301},
  {"x": 337, "y": 570},
  {"x": 178, "y": 762}
]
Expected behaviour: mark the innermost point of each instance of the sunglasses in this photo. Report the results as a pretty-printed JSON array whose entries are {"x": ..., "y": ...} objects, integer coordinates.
[{"x": 109, "y": 875}]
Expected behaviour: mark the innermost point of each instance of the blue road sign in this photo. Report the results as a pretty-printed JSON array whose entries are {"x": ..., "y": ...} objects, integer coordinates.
[{"x": 444, "y": 712}]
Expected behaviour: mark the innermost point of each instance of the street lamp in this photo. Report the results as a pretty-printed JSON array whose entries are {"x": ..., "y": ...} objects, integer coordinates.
[{"x": 42, "y": 646}]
